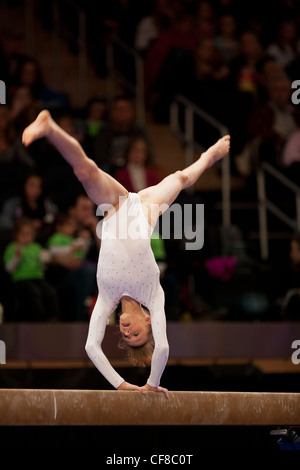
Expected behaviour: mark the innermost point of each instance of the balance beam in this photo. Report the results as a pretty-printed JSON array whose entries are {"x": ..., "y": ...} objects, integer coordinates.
[{"x": 110, "y": 408}]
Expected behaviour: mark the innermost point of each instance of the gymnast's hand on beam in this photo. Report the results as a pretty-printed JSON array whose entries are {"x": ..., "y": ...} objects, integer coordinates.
[
  {"x": 148, "y": 388},
  {"x": 127, "y": 386}
]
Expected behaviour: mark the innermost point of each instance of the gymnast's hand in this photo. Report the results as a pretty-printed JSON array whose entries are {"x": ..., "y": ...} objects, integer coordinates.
[
  {"x": 127, "y": 386},
  {"x": 148, "y": 388}
]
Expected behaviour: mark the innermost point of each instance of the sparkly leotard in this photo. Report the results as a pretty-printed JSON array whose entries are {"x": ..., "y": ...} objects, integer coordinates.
[{"x": 127, "y": 266}]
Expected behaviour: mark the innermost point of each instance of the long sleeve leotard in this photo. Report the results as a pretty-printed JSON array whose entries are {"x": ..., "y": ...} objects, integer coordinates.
[{"x": 127, "y": 266}]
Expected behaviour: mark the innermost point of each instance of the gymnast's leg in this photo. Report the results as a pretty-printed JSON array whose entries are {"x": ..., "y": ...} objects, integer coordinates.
[
  {"x": 100, "y": 187},
  {"x": 162, "y": 195}
]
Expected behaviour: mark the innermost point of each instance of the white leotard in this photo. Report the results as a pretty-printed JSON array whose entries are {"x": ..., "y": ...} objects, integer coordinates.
[{"x": 127, "y": 266}]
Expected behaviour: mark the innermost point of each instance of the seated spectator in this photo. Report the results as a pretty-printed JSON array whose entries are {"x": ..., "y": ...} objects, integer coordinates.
[
  {"x": 290, "y": 305},
  {"x": 179, "y": 38},
  {"x": 151, "y": 26},
  {"x": 25, "y": 261},
  {"x": 204, "y": 78},
  {"x": 14, "y": 157},
  {"x": 245, "y": 64},
  {"x": 205, "y": 19},
  {"x": 113, "y": 137},
  {"x": 96, "y": 115},
  {"x": 83, "y": 210},
  {"x": 209, "y": 71},
  {"x": 63, "y": 240},
  {"x": 290, "y": 158},
  {"x": 241, "y": 94},
  {"x": 286, "y": 48},
  {"x": 73, "y": 278},
  {"x": 268, "y": 69},
  {"x": 24, "y": 108},
  {"x": 274, "y": 121},
  {"x": 198, "y": 74},
  {"x": 31, "y": 203},
  {"x": 10, "y": 54},
  {"x": 94, "y": 121},
  {"x": 226, "y": 37},
  {"x": 11, "y": 147},
  {"x": 59, "y": 181},
  {"x": 30, "y": 76},
  {"x": 137, "y": 174}
]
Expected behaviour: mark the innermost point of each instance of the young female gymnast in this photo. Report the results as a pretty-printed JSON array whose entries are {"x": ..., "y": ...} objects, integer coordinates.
[{"x": 127, "y": 271}]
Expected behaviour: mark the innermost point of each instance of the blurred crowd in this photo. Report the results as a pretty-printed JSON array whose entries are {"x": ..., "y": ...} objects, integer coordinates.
[{"x": 237, "y": 61}]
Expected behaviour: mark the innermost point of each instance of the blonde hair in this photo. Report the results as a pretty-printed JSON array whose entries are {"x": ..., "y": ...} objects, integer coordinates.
[{"x": 139, "y": 356}]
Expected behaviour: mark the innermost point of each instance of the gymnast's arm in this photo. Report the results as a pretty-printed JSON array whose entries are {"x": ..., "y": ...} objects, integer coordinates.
[
  {"x": 100, "y": 316},
  {"x": 98, "y": 322},
  {"x": 161, "y": 348}
]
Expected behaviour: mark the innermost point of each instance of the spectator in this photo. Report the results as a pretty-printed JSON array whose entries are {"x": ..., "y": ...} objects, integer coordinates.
[
  {"x": 31, "y": 203},
  {"x": 24, "y": 108},
  {"x": 181, "y": 37},
  {"x": 274, "y": 121},
  {"x": 59, "y": 180},
  {"x": 205, "y": 19},
  {"x": 10, "y": 55},
  {"x": 245, "y": 65},
  {"x": 30, "y": 76},
  {"x": 268, "y": 69},
  {"x": 94, "y": 121},
  {"x": 205, "y": 81},
  {"x": 209, "y": 70},
  {"x": 63, "y": 240},
  {"x": 73, "y": 278},
  {"x": 290, "y": 307},
  {"x": 151, "y": 26},
  {"x": 25, "y": 261},
  {"x": 112, "y": 139},
  {"x": 286, "y": 48},
  {"x": 96, "y": 110},
  {"x": 290, "y": 158},
  {"x": 84, "y": 212},
  {"x": 137, "y": 174},
  {"x": 14, "y": 158},
  {"x": 241, "y": 94},
  {"x": 226, "y": 37}
]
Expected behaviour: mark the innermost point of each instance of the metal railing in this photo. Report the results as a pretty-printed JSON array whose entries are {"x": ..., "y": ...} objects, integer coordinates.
[
  {"x": 134, "y": 86},
  {"x": 187, "y": 134},
  {"x": 265, "y": 205}
]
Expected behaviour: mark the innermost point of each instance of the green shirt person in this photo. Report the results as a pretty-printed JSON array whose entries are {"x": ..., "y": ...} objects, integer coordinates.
[
  {"x": 24, "y": 259},
  {"x": 63, "y": 241}
]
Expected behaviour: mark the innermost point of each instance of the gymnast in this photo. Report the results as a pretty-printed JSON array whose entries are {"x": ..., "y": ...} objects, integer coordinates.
[{"x": 127, "y": 271}]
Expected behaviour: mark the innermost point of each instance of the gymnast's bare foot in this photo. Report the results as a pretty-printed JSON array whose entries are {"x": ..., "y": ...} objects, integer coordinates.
[
  {"x": 217, "y": 151},
  {"x": 39, "y": 128}
]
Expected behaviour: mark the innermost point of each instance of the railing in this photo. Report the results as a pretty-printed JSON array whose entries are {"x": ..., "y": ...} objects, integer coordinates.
[
  {"x": 188, "y": 136},
  {"x": 265, "y": 205},
  {"x": 134, "y": 86}
]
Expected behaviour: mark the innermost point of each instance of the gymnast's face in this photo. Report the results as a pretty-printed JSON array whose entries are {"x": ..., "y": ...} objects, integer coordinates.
[{"x": 135, "y": 328}]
